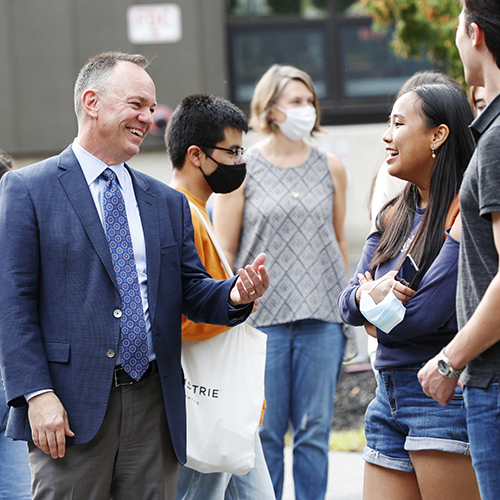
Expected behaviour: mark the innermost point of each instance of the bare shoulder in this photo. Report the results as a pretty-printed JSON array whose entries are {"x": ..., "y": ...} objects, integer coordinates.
[{"x": 337, "y": 169}]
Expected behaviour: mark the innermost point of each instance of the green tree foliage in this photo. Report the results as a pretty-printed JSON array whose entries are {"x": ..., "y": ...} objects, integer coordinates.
[{"x": 422, "y": 28}]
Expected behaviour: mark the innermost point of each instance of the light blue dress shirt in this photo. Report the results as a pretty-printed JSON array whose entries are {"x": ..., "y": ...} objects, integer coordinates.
[{"x": 92, "y": 169}]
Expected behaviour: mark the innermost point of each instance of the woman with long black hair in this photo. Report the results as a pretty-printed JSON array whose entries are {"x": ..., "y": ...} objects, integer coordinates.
[{"x": 404, "y": 293}]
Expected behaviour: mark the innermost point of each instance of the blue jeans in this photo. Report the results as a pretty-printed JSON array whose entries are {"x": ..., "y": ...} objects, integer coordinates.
[
  {"x": 256, "y": 484},
  {"x": 483, "y": 424},
  {"x": 304, "y": 359},
  {"x": 15, "y": 476}
]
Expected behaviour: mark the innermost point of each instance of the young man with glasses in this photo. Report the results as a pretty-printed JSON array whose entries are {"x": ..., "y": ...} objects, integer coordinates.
[{"x": 203, "y": 139}]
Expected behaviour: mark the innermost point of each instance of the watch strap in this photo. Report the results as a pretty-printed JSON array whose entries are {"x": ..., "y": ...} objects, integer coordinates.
[{"x": 445, "y": 368}]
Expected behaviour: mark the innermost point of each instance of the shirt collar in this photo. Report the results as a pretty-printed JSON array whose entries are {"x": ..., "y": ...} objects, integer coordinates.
[
  {"x": 93, "y": 167},
  {"x": 191, "y": 197},
  {"x": 486, "y": 118}
]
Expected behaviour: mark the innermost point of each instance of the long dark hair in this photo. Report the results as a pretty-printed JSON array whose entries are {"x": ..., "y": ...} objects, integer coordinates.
[
  {"x": 439, "y": 104},
  {"x": 426, "y": 77}
]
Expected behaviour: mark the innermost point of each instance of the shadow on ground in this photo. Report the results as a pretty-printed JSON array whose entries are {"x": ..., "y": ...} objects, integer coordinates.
[{"x": 355, "y": 390}]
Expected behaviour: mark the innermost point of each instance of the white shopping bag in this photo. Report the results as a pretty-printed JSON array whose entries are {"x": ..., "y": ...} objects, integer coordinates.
[{"x": 224, "y": 383}]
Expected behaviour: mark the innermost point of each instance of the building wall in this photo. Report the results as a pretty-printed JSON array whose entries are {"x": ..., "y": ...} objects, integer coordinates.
[{"x": 44, "y": 43}]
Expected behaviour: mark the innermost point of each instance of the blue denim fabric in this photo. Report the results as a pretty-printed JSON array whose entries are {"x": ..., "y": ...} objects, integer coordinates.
[
  {"x": 483, "y": 422},
  {"x": 402, "y": 418},
  {"x": 194, "y": 485},
  {"x": 15, "y": 476},
  {"x": 303, "y": 364},
  {"x": 256, "y": 484}
]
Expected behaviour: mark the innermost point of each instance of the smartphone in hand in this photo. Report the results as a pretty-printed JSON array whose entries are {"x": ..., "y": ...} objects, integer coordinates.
[{"x": 407, "y": 272}]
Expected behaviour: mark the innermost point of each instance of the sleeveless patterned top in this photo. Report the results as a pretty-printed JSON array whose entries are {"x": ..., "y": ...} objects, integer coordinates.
[{"x": 288, "y": 215}]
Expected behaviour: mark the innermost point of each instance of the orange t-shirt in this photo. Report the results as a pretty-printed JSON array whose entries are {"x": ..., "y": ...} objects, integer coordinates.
[{"x": 211, "y": 260}]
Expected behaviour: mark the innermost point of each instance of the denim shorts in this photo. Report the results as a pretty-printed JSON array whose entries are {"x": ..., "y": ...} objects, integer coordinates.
[{"x": 402, "y": 418}]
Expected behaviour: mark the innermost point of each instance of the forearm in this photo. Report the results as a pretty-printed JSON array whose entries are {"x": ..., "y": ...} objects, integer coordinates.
[
  {"x": 348, "y": 307},
  {"x": 483, "y": 328},
  {"x": 347, "y": 303},
  {"x": 230, "y": 256},
  {"x": 481, "y": 331},
  {"x": 433, "y": 305},
  {"x": 345, "y": 253}
]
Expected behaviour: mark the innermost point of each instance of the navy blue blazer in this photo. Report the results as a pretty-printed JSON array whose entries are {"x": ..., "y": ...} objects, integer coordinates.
[{"x": 58, "y": 293}]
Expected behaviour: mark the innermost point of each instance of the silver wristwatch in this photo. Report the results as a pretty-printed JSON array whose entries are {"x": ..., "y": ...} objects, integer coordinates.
[{"x": 445, "y": 368}]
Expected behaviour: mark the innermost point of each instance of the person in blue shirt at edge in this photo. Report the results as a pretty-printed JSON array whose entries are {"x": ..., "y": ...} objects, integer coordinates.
[
  {"x": 415, "y": 449},
  {"x": 204, "y": 139}
]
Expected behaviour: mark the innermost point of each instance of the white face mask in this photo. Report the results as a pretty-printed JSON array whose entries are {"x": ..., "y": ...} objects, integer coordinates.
[
  {"x": 385, "y": 315},
  {"x": 299, "y": 122}
]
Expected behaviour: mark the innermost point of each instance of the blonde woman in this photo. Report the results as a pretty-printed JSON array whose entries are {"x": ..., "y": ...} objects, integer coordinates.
[{"x": 292, "y": 205}]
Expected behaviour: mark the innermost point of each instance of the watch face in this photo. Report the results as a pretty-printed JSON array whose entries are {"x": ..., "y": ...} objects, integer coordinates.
[{"x": 443, "y": 367}]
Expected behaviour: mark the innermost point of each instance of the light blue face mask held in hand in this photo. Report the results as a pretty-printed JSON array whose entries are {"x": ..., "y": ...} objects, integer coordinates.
[{"x": 385, "y": 315}]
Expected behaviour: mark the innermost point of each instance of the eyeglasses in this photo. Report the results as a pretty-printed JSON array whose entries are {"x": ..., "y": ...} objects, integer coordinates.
[{"x": 237, "y": 154}]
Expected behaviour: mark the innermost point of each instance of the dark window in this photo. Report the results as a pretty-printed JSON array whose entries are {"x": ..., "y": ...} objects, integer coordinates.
[
  {"x": 369, "y": 67},
  {"x": 269, "y": 8},
  {"x": 353, "y": 68},
  {"x": 254, "y": 51}
]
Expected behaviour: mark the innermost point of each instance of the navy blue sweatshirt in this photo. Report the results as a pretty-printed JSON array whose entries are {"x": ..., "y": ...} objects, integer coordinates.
[{"x": 430, "y": 320}]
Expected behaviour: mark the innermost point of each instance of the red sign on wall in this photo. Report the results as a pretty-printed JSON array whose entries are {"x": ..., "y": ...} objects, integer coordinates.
[{"x": 158, "y": 23}]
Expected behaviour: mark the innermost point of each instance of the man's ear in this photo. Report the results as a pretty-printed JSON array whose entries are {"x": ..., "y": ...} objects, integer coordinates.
[
  {"x": 90, "y": 102},
  {"x": 194, "y": 155},
  {"x": 476, "y": 35}
]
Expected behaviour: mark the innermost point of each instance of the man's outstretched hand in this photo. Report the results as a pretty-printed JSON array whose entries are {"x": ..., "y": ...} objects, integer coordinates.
[{"x": 253, "y": 281}]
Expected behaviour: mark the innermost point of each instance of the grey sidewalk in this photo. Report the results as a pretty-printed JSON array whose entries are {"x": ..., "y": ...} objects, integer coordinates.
[{"x": 345, "y": 478}]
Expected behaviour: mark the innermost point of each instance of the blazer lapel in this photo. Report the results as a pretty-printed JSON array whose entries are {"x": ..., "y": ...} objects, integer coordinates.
[
  {"x": 75, "y": 185},
  {"x": 148, "y": 208}
]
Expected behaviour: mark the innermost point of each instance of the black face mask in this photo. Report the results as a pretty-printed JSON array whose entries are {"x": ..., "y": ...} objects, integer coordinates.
[{"x": 225, "y": 178}]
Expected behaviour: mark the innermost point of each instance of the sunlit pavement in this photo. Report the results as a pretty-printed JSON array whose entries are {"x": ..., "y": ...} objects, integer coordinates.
[{"x": 345, "y": 480}]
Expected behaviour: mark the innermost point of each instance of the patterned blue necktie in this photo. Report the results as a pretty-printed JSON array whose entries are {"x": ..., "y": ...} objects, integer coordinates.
[{"x": 134, "y": 343}]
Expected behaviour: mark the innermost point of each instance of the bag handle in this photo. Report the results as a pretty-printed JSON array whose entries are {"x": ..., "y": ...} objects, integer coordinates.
[{"x": 223, "y": 259}]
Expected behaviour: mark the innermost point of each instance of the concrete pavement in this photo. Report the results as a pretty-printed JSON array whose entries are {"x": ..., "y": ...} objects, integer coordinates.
[{"x": 345, "y": 477}]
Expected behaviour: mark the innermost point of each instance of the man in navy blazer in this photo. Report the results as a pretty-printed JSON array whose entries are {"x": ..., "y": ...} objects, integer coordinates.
[{"x": 93, "y": 431}]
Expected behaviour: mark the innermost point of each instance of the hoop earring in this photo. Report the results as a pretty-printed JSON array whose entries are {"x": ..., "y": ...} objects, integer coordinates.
[{"x": 433, "y": 152}]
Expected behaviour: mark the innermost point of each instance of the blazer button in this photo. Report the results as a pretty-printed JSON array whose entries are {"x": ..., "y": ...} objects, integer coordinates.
[
  {"x": 117, "y": 313},
  {"x": 110, "y": 353}
]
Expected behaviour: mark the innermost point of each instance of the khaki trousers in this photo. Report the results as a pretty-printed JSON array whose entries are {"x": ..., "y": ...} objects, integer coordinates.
[{"x": 130, "y": 458}]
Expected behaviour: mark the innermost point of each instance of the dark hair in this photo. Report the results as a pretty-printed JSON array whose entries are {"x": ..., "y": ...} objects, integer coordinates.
[
  {"x": 5, "y": 163},
  {"x": 200, "y": 120},
  {"x": 96, "y": 71},
  {"x": 427, "y": 77},
  {"x": 486, "y": 14},
  {"x": 438, "y": 104},
  {"x": 417, "y": 79}
]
